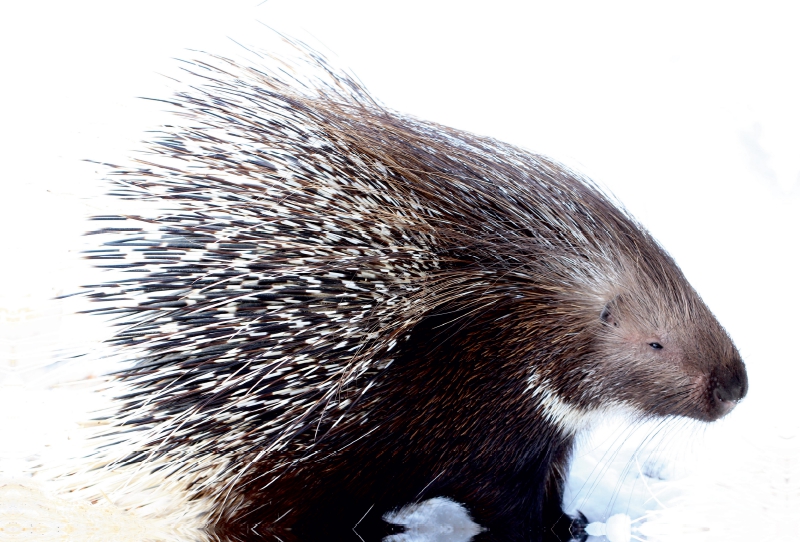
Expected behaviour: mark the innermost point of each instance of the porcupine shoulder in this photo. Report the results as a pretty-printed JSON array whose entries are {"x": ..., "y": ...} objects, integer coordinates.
[{"x": 342, "y": 310}]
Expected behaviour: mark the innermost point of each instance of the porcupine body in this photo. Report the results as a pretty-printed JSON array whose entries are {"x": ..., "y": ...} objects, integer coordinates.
[{"x": 343, "y": 310}]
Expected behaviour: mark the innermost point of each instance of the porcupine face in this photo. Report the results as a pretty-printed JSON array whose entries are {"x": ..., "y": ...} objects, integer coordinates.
[{"x": 666, "y": 354}]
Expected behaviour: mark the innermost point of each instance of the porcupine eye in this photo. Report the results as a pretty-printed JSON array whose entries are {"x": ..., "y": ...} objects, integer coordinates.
[{"x": 656, "y": 346}]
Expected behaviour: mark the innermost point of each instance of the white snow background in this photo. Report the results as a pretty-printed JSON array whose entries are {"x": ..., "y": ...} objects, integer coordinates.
[{"x": 688, "y": 112}]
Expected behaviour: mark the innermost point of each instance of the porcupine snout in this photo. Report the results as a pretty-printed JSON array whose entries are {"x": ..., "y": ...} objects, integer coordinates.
[{"x": 728, "y": 387}]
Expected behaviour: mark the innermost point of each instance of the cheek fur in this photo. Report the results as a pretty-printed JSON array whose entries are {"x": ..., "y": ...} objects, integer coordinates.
[{"x": 649, "y": 383}]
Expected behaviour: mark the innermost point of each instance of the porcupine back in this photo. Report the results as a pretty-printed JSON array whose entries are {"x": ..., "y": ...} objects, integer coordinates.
[{"x": 306, "y": 231}]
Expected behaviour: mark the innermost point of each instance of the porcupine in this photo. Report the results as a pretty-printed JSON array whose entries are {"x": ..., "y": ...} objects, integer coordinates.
[{"x": 343, "y": 310}]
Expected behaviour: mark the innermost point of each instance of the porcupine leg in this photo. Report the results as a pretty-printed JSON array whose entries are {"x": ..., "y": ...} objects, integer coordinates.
[
  {"x": 526, "y": 513},
  {"x": 562, "y": 527},
  {"x": 557, "y": 524}
]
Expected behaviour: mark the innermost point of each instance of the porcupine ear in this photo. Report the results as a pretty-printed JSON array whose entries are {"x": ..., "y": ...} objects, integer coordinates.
[{"x": 609, "y": 315}]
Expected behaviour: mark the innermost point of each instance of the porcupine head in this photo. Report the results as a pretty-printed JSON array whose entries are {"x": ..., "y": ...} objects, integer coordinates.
[{"x": 347, "y": 309}]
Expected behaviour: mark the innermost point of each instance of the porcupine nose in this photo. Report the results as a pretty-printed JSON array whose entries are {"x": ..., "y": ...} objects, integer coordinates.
[{"x": 728, "y": 389}]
